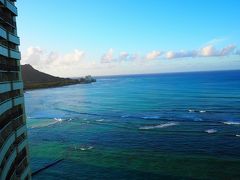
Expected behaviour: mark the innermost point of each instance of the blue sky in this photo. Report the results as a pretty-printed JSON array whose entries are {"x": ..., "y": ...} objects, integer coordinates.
[{"x": 103, "y": 37}]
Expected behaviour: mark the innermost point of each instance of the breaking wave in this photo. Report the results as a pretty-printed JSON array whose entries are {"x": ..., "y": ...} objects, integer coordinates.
[
  {"x": 231, "y": 123},
  {"x": 199, "y": 111},
  {"x": 46, "y": 123},
  {"x": 165, "y": 125},
  {"x": 211, "y": 131}
]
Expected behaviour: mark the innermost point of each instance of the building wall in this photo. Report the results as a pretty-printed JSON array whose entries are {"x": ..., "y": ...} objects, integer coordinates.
[{"x": 14, "y": 160}]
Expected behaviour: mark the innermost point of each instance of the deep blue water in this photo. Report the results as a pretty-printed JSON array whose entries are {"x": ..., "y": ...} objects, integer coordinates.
[{"x": 161, "y": 126}]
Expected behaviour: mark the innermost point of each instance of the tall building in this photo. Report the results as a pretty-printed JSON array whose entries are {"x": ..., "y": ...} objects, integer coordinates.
[{"x": 14, "y": 160}]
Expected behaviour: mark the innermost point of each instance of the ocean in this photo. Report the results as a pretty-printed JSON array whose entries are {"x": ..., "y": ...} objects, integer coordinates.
[{"x": 158, "y": 126}]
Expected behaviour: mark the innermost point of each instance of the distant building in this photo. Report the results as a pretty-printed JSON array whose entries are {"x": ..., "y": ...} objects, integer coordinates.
[{"x": 14, "y": 160}]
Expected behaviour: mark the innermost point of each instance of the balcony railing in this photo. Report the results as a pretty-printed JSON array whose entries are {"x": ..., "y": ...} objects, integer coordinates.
[
  {"x": 22, "y": 166},
  {"x": 7, "y": 20},
  {"x": 5, "y": 133},
  {"x": 8, "y": 76},
  {"x": 3, "y": 51},
  {"x": 9, "y": 95},
  {"x": 3, "y": 33},
  {"x": 10, "y": 5},
  {"x": 9, "y": 164},
  {"x": 10, "y": 128},
  {"x": 13, "y": 38},
  {"x": 5, "y": 67},
  {"x": 14, "y": 54}
]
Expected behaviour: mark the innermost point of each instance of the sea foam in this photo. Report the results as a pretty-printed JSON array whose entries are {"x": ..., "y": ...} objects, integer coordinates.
[
  {"x": 150, "y": 117},
  {"x": 231, "y": 123},
  {"x": 58, "y": 119},
  {"x": 193, "y": 110},
  {"x": 211, "y": 131},
  {"x": 165, "y": 125},
  {"x": 99, "y": 120},
  {"x": 83, "y": 148}
]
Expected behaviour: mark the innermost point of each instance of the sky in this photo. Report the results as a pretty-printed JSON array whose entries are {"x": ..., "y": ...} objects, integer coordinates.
[{"x": 111, "y": 37}]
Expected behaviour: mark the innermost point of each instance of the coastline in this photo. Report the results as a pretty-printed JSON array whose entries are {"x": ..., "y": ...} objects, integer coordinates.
[
  {"x": 35, "y": 86},
  {"x": 34, "y": 79}
]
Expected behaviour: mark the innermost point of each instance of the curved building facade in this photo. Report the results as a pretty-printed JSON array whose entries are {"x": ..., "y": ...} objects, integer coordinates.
[{"x": 14, "y": 160}]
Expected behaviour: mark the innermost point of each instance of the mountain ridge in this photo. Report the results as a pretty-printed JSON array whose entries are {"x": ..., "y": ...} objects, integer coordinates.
[{"x": 35, "y": 79}]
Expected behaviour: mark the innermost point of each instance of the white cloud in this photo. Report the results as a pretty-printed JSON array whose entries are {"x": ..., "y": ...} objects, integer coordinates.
[
  {"x": 207, "y": 51},
  {"x": 108, "y": 56},
  {"x": 33, "y": 56},
  {"x": 227, "y": 50},
  {"x": 153, "y": 55},
  {"x": 123, "y": 56},
  {"x": 180, "y": 54},
  {"x": 76, "y": 63},
  {"x": 237, "y": 52},
  {"x": 210, "y": 50},
  {"x": 54, "y": 62},
  {"x": 39, "y": 57}
]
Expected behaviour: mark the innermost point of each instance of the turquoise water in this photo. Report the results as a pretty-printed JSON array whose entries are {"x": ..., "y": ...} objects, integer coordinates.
[{"x": 166, "y": 126}]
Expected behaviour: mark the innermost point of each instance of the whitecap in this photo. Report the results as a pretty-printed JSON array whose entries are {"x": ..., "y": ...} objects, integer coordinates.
[
  {"x": 45, "y": 124},
  {"x": 125, "y": 116},
  {"x": 165, "y": 125},
  {"x": 211, "y": 131},
  {"x": 90, "y": 147},
  {"x": 83, "y": 148},
  {"x": 151, "y": 117},
  {"x": 58, "y": 119},
  {"x": 231, "y": 123},
  {"x": 192, "y": 110},
  {"x": 237, "y": 135},
  {"x": 198, "y": 119},
  {"x": 99, "y": 120}
]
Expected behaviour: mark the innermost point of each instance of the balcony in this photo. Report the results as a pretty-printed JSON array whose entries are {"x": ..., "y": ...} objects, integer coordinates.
[
  {"x": 14, "y": 54},
  {"x": 5, "y": 67},
  {"x": 22, "y": 144},
  {"x": 9, "y": 95},
  {"x": 18, "y": 100},
  {"x": 11, "y": 7},
  {"x": 21, "y": 130},
  {"x": 5, "y": 106},
  {"x": 7, "y": 20},
  {"x": 3, "y": 51},
  {"x": 5, "y": 133},
  {"x": 8, "y": 165},
  {"x": 4, "y": 87},
  {"x": 23, "y": 169},
  {"x": 7, "y": 136},
  {"x": 3, "y": 33},
  {"x": 18, "y": 85},
  {"x": 13, "y": 38},
  {"x": 7, "y": 143},
  {"x": 9, "y": 76},
  {"x": 25, "y": 173}
]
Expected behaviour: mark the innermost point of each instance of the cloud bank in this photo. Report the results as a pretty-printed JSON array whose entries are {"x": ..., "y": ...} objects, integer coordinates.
[
  {"x": 79, "y": 62},
  {"x": 206, "y": 51}
]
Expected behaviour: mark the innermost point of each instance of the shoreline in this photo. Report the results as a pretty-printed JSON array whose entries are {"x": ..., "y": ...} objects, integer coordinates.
[
  {"x": 36, "y": 86},
  {"x": 43, "y": 86}
]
